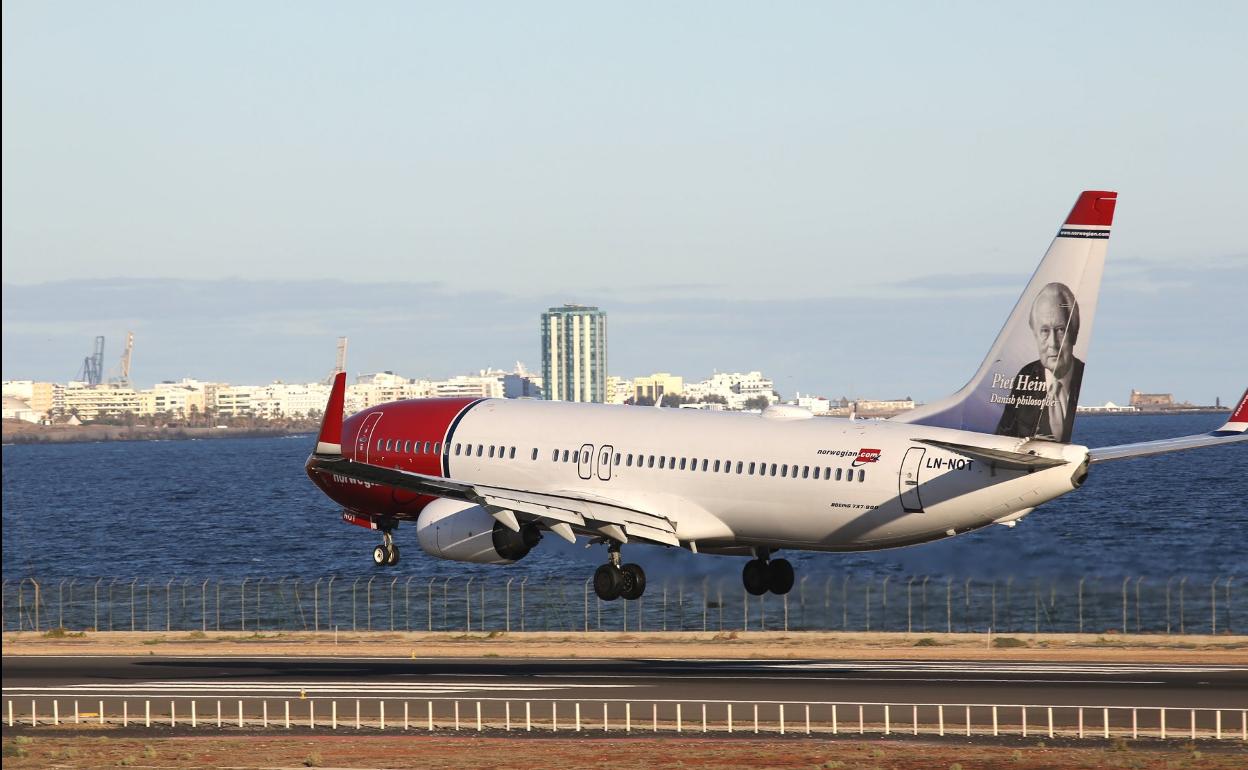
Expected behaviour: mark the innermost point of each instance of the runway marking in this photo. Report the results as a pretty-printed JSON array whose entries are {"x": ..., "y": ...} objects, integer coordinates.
[
  {"x": 759, "y": 679},
  {"x": 293, "y": 689}
]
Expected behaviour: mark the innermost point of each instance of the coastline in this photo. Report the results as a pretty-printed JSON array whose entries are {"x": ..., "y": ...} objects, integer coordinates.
[{"x": 29, "y": 433}]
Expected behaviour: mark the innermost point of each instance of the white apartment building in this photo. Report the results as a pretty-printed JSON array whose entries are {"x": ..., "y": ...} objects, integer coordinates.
[{"x": 734, "y": 387}]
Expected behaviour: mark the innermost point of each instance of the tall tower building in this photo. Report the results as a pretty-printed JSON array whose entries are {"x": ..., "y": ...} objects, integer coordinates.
[{"x": 574, "y": 353}]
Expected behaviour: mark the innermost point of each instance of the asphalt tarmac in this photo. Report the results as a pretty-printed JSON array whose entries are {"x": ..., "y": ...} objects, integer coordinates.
[{"x": 494, "y": 681}]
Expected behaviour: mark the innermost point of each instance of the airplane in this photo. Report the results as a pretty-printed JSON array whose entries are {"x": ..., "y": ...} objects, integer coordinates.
[{"x": 485, "y": 479}]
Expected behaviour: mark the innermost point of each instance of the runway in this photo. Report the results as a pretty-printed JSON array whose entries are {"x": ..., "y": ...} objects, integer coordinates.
[{"x": 933, "y": 682}]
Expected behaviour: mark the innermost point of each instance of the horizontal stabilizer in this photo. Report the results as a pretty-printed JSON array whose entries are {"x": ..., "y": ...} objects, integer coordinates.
[
  {"x": 1233, "y": 431},
  {"x": 1001, "y": 458},
  {"x": 1146, "y": 448}
]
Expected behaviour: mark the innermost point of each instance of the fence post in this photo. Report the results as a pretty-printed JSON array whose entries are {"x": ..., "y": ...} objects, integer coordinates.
[
  {"x": 1081, "y": 603},
  {"x": 242, "y": 603},
  {"x": 910, "y": 605},
  {"x": 1182, "y": 586},
  {"x": 468, "y": 603},
  {"x": 1213, "y": 606},
  {"x": 507, "y": 621},
  {"x": 1125, "y": 580}
]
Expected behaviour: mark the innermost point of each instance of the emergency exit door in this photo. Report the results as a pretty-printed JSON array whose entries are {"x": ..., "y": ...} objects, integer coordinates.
[{"x": 908, "y": 480}]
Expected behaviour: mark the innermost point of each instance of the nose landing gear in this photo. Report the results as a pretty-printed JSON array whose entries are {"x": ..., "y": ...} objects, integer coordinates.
[
  {"x": 763, "y": 574},
  {"x": 386, "y": 554},
  {"x": 615, "y": 581}
]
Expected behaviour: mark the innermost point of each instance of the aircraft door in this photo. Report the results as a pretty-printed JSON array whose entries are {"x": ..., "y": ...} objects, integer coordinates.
[
  {"x": 908, "y": 480},
  {"x": 604, "y": 462},
  {"x": 364, "y": 438},
  {"x": 585, "y": 461}
]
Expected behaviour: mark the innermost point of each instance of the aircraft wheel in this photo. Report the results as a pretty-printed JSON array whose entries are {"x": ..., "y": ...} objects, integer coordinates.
[
  {"x": 634, "y": 581},
  {"x": 779, "y": 576},
  {"x": 381, "y": 556},
  {"x": 754, "y": 576},
  {"x": 608, "y": 582},
  {"x": 393, "y": 557}
]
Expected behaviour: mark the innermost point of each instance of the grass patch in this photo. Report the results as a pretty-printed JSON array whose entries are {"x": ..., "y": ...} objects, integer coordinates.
[
  {"x": 927, "y": 641},
  {"x": 151, "y": 642},
  {"x": 1006, "y": 642},
  {"x": 312, "y": 760},
  {"x": 197, "y": 635},
  {"x": 60, "y": 632}
]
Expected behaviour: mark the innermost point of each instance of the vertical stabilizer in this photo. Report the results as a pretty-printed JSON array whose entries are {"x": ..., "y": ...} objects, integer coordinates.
[{"x": 1028, "y": 386}]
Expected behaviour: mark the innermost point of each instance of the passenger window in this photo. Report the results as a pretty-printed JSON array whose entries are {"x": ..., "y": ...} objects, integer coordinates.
[
  {"x": 838, "y": 474},
  {"x": 512, "y": 454},
  {"x": 662, "y": 461},
  {"x": 862, "y": 474},
  {"x": 584, "y": 457},
  {"x": 717, "y": 466},
  {"x": 773, "y": 469},
  {"x": 649, "y": 461},
  {"x": 565, "y": 455},
  {"x": 751, "y": 469},
  {"x": 555, "y": 457},
  {"x": 617, "y": 459},
  {"x": 739, "y": 465},
  {"x": 437, "y": 447},
  {"x": 784, "y": 471},
  {"x": 827, "y": 474},
  {"x": 457, "y": 448},
  {"x": 491, "y": 450},
  {"x": 682, "y": 463},
  {"x": 378, "y": 445},
  {"x": 806, "y": 471},
  {"x": 534, "y": 453},
  {"x": 387, "y": 445},
  {"x": 428, "y": 446},
  {"x": 480, "y": 449}
]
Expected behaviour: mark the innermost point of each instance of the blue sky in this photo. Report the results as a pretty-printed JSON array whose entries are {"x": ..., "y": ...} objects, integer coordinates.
[{"x": 729, "y": 180}]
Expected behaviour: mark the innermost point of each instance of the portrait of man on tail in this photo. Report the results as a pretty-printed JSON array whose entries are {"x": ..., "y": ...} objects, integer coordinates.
[{"x": 1045, "y": 392}]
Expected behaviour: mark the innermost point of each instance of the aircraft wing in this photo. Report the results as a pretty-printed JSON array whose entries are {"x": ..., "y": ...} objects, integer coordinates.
[
  {"x": 613, "y": 520},
  {"x": 1234, "y": 431}
]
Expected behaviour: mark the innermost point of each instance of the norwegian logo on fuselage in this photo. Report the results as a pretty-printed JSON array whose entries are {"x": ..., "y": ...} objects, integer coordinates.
[{"x": 866, "y": 456}]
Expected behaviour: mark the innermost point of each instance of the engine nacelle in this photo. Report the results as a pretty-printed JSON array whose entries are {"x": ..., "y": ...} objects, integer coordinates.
[{"x": 458, "y": 531}]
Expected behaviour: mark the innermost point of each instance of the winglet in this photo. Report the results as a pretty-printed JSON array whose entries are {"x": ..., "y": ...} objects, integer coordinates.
[
  {"x": 329, "y": 441},
  {"x": 1239, "y": 418}
]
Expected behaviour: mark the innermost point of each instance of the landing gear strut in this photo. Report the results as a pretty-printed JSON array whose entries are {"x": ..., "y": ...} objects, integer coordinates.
[
  {"x": 763, "y": 574},
  {"x": 386, "y": 554},
  {"x": 613, "y": 580}
]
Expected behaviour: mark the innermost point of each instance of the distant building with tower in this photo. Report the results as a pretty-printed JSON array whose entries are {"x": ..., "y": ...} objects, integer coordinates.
[{"x": 574, "y": 353}]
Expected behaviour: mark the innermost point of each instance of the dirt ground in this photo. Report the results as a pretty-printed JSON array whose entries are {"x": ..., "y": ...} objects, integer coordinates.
[
  {"x": 1063, "y": 648},
  {"x": 74, "y": 751}
]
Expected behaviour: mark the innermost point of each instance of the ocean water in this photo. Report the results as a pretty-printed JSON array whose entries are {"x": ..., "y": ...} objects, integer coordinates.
[{"x": 234, "y": 508}]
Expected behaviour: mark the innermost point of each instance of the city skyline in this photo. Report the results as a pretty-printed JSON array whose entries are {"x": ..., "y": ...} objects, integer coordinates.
[{"x": 188, "y": 329}]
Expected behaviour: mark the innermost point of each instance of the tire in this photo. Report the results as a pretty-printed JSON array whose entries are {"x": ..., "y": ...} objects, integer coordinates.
[
  {"x": 634, "y": 581},
  {"x": 393, "y": 558},
  {"x": 380, "y": 556},
  {"x": 608, "y": 582},
  {"x": 754, "y": 576},
  {"x": 779, "y": 576}
]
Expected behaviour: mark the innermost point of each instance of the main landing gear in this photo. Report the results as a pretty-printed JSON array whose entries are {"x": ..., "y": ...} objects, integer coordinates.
[
  {"x": 763, "y": 574},
  {"x": 386, "y": 554},
  {"x": 614, "y": 581}
]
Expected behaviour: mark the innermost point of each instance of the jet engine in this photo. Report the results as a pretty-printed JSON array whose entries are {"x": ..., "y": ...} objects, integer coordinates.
[{"x": 459, "y": 531}]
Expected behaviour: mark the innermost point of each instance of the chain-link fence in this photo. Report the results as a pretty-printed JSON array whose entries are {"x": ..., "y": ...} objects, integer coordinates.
[{"x": 918, "y": 604}]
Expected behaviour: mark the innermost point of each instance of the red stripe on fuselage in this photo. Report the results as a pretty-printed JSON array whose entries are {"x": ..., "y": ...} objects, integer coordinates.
[{"x": 404, "y": 436}]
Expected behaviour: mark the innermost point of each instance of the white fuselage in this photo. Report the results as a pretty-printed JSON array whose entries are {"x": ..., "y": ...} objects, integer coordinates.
[{"x": 732, "y": 481}]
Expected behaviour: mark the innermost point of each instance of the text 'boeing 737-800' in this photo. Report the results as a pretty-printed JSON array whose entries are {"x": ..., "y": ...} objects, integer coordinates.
[{"x": 485, "y": 479}]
